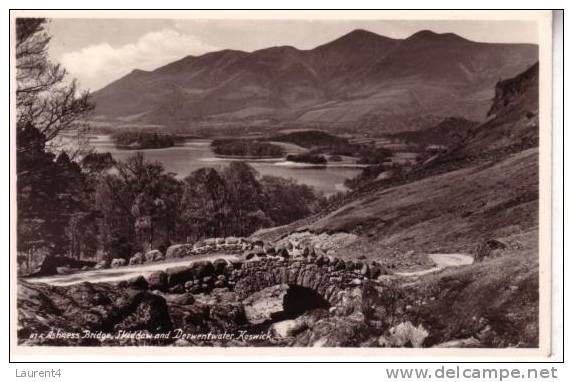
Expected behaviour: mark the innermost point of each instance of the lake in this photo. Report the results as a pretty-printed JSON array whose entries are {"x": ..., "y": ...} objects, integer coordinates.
[{"x": 196, "y": 153}]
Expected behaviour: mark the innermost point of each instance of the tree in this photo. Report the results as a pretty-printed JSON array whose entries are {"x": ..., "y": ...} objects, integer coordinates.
[
  {"x": 139, "y": 206},
  {"x": 203, "y": 205},
  {"x": 51, "y": 190},
  {"x": 44, "y": 98}
]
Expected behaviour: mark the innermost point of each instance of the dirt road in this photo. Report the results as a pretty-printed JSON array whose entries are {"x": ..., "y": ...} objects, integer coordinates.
[{"x": 124, "y": 273}]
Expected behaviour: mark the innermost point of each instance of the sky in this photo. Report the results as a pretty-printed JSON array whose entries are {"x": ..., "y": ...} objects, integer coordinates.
[{"x": 99, "y": 51}]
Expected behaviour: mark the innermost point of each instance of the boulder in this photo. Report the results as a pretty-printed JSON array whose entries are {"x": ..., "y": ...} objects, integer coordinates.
[
  {"x": 202, "y": 269},
  {"x": 138, "y": 282},
  {"x": 178, "y": 275},
  {"x": 264, "y": 305},
  {"x": 179, "y": 251},
  {"x": 184, "y": 299},
  {"x": 405, "y": 334},
  {"x": 220, "y": 265},
  {"x": 157, "y": 280},
  {"x": 287, "y": 328},
  {"x": 488, "y": 248},
  {"x": 84, "y": 306},
  {"x": 154, "y": 255},
  {"x": 116, "y": 263},
  {"x": 136, "y": 259},
  {"x": 144, "y": 311},
  {"x": 211, "y": 242},
  {"x": 232, "y": 240}
]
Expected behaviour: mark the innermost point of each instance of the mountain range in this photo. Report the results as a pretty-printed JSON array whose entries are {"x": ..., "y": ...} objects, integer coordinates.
[{"x": 361, "y": 79}]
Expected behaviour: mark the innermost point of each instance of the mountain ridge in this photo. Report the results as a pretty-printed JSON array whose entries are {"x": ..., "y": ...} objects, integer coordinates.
[{"x": 360, "y": 76}]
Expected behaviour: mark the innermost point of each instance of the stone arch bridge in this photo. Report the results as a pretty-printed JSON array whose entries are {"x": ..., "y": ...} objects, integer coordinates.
[{"x": 325, "y": 275}]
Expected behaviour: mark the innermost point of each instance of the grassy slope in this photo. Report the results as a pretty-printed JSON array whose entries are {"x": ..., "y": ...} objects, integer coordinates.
[
  {"x": 488, "y": 188},
  {"x": 450, "y": 212}
]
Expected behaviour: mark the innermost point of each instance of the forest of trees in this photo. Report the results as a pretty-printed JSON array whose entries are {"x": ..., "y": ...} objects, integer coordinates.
[
  {"x": 143, "y": 140},
  {"x": 246, "y": 148},
  {"x": 84, "y": 205},
  {"x": 307, "y": 158}
]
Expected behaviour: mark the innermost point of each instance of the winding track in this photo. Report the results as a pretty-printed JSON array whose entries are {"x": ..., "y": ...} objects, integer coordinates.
[
  {"x": 126, "y": 272},
  {"x": 442, "y": 260}
]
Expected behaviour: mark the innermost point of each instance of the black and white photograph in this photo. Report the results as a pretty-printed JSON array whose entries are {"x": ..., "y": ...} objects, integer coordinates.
[{"x": 246, "y": 180}]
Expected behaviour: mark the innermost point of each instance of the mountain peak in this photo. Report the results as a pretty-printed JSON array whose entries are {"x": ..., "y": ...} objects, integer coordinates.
[
  {"x": 428, "y": 35},
  {"x": 357, "y": 37}
]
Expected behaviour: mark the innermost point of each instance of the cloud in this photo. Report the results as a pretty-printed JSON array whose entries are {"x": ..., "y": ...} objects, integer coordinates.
[{"x": 97, "y": 65}]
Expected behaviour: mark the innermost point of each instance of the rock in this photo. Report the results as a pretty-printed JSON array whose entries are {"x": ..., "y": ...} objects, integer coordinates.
[
  {"x": 136, "y": 259},
  {"x": 202, "y": 268},
  {"x": 157, "y": 280},
  {"x": 208, "y": 280},
  {"x": 116, "y": 263},
  {"x": 249, "y": 255},
  {"x": 488, "y": 248},
  {"x": 232, "y": 240},
  {"x": 270, "y": 251},
  {"x": 264, "y": 305},
  {"x": 211, "y": 242},
  {"x": 283, "y": 252},
  {"x": 154, "y": 255},
  {"x": 365, "y": 270},
  {"x": 287, "y": 328},
  {"x": 220, "y": 265},
  {"x": 407, "y": 334},
  {"x": 179, "y": 251},
  {"x": 104, "y": 264},
  {"x": 350, "y": 331},
  {"x": 178, "y": 275},
  {"x": 50, "y": 265},
  {"x": 95, "y": 307},
  {"x": 189, "y": 285},
  {"x": 375, "y": 272},
  {"x": 177, "y": 289},
  {"x": 184, "y": 299},
  {"x": 64, "y": 270},
  {"x": 144, "y": 311},
  {"x": 138, "y": 282}
]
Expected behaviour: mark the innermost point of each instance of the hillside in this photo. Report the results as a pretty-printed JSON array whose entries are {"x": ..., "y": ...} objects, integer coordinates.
[
  {"x": 361, "y": 79},
  {"x": 481, "y": 198}
]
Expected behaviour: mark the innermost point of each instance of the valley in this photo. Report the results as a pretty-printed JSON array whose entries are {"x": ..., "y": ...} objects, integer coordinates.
[{"x": 368, "y": 192}]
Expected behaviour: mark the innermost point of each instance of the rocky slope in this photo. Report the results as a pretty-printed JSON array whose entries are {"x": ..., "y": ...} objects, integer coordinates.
[{"x": 359, "y": 78}]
